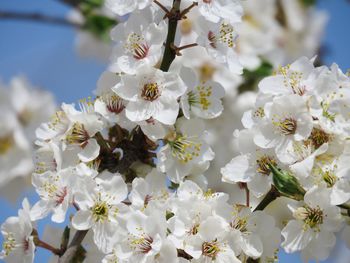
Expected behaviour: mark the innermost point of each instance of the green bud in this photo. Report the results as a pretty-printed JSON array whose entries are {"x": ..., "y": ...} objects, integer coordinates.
[{"x": 287, "y": 184}]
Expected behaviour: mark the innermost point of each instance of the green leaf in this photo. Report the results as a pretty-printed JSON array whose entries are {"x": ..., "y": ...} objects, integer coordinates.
[
  {"x": 99, "y": 25},
  {"x": 307, "y": 3},
  {"x": 252, "y": 78}
]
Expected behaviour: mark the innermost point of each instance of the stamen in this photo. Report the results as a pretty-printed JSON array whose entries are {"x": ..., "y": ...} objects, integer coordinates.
[
  {"x": 319, "y": 137},
  {"x": 78, "y": 135},
  {"x": 263, "y": 164},
  {"x": 100, "y": 211},
  {"x": 114, "y": 103},
  {"x": 183, "y": 148},
  {"x": 150, "y": 92},
  {"x": 292, "y": 79},
  {"x": 312, "y": 217},
  {"x": 87, "y": 105},
  {"x": 142, "y": 244},
  {"x": 211, "y": 249},
  {"x": 240, "y": 224},
  {"x": 9, "y": 243},
  {"x": 137, "y": 46},
  {"x": 200, "y": 96},
  {"x": 287, "y": 126}
]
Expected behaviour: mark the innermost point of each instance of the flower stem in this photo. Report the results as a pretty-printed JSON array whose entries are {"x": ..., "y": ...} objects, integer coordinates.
[{"x": 270, "y": 196}]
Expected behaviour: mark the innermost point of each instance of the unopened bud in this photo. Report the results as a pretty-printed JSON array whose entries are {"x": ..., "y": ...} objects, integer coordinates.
[{"x": 287, "y": 184}]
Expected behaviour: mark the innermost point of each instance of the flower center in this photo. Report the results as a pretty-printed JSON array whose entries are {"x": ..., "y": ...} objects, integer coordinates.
[
  {"x": 259, "y": 113},
  {"x": 6, "y": 143},
  {"x": 25, "y": 117},
  {"x": 9, "y": 244},
  {"x": 150, "y": 92},
  {"x": 263, "y": 164},
  {"x": 61, "y": 195},
  {"x": 292, "y": 79},
  {"x": 100, "y": 211},
  {"x": 114, "y": 104},
  {"x": 211, "y": 249},
  {"x": 200, "y": 96},
  {"x": 143, "y": 244},
  {"x": 287, "y": 126},
  {"x": 136, "y": 45},
  {"x": 329, "y": 177},
  {"x": 78, "y": 135},
  {"x": 312, "y": 217},
  {"x": 319, "y": 137},
  {"x": 239, "y": 224},
  {"x": 186, "y": 26},
  {"x": 206, "y": 72},
  {"x": 194, "y": 229},
  {"x": 184, "y": 149}
]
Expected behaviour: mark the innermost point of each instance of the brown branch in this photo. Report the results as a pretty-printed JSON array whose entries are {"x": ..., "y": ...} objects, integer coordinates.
[
  {"x": 44, "y": 245},
  {"x": 36, "y": 17},
  {"x": 73, "y": 247}
]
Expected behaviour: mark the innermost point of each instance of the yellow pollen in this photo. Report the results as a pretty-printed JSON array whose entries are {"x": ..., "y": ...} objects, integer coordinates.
[
  {"x": 263, "y": 164},
  {"x": 142, "y": 244},
  {"x": 312, "y": 217},
  {"x": 227, "y": 35},
  {"x": 206, "y": 72},
  {"x": 183, "y": 148},
  {"x": 259, "y": 113},
  {"x": 211, "y": 249},
  {"x": 150, "y": 92},
  {"x": 287, "y": 126},
  {"x": 100, "y": 211},
  {"x": 200, "y": 96},
  {"x": 251, "y": 20},
  {"x": 9, "y": 243},
  {"x": 292, "y": 79},
  {"x": 78, "y": 135},
  {"x": 57, "y": 120},
  {"x": 186, "y": 26},
  {"x": 87, "y": 104},
  {"x": 240, "y": 223},
  {"x": 6, "y": 143},
  {"x": 319, "y": 137}
]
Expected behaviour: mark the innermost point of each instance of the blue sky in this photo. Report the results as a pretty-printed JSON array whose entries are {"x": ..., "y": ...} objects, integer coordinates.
[{"x": 46, "y": 55}]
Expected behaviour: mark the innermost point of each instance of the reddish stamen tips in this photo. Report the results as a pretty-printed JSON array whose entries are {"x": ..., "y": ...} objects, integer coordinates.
[{"x": 141, "y": 51}]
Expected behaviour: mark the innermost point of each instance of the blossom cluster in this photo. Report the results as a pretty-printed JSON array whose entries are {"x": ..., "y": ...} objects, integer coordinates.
[
  {"x": 132, "y": 163},
  {"x": 22, "y": 108},
  {"x": 299, "y": 128}
]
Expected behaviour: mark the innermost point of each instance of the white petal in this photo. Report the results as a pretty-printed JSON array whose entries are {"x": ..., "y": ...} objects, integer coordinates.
[
  {"x": 90, "y": 151},
  {"x": 82, "y": 220}
]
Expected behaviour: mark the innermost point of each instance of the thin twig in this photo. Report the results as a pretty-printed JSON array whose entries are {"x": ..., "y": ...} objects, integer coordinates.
[{"x": 36, "y": 17}]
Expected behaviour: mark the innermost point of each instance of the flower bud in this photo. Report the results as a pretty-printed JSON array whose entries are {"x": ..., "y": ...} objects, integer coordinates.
[{"x": 287, "y": 184}]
